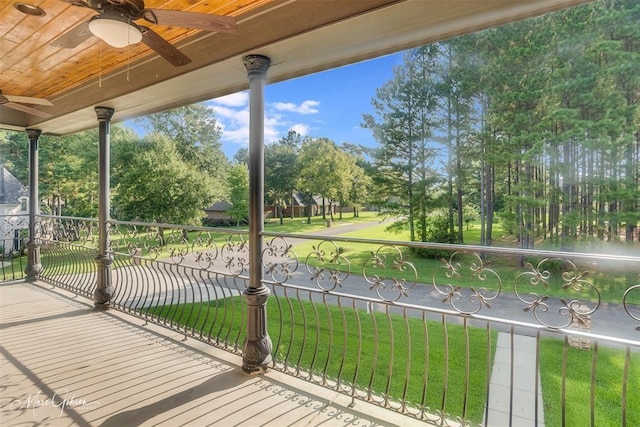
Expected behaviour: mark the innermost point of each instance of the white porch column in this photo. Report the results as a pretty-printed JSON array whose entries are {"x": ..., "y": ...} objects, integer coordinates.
[
  {"x": 34, "y": 267},
  {"x": 104, "y": 290},
  {"x": 257, "y": 346}
]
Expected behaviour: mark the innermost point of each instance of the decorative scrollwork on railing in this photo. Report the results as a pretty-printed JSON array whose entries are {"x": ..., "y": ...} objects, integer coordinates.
[
  {"x": 381, "y": 269},
  {"x": 327, "y": 266},
  {"x": 68, "y": 230},
  {"x": 139, "y": 241},
  {"x": 14, "y": 234},
  {"x": 10, "y": 223},
  {"x": 86, "y": 233},
  {"x": 632, "y": 310},
  {"x": 279, "y": 261},
  {"x": 205, "y": 250},
  {"x": 235, "y": 254},
  {"x": 560, "y": 312},
  {"x": 183, "y": 246},
  {"x": 177, "y": 243},
  {"x": 471, "y": 268}
]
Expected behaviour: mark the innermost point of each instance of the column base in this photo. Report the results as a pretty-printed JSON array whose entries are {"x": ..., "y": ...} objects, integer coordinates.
[
  {"x": 257, "y": 356},
  {"x": 101, "y": 305},
  {"x": 104, "y": 291},
  {"x": 257, "y": 346},
  {"x": 33, "y": 267}
]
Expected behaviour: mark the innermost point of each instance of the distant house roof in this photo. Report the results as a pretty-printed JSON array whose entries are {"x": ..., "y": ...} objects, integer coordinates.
[
  {"x": 221, "y": 206},
  {"x": 301, "y": 199},
  {"x": 11, "y": 190}
]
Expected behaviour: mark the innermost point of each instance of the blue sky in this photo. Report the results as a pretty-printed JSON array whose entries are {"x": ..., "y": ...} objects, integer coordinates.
[{"x": 328, "y": 104}]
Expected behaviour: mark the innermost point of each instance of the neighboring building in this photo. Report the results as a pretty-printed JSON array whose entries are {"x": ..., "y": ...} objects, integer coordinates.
[
  {"x": 295, "y": 202},
  {"x": 13, "y": 195},
  {"x": 300, "y": 203},
  {"x": 218, "y": 213},
  {"x": 14, "y": 207}
]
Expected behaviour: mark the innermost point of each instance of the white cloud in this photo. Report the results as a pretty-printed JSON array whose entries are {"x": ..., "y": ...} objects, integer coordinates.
[
  {"x": 301, "y": 128},
  {"x": 239, "y": 99},
  {"x": 232, "y": 113},
  {"x": 307, "y": 107}
]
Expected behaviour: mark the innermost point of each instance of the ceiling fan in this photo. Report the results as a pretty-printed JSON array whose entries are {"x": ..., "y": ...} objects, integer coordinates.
[
  {"x": 15, "y": 102},
  {"x": 115, "y": 24}
]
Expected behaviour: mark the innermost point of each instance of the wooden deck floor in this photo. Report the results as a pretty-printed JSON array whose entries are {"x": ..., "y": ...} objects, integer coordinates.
[{"x": 65, "y": 364}]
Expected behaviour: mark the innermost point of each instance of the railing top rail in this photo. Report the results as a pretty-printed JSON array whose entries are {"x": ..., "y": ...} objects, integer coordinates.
[
  {"x": 457, "y": 247},
  {"x": 74, "y": 218},
  {"x": 14, "y": 215},
  {"x": 144, "y": 224}
]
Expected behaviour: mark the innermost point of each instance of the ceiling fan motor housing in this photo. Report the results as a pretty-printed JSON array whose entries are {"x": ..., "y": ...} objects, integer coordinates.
[{"x": 132, "y": 8}]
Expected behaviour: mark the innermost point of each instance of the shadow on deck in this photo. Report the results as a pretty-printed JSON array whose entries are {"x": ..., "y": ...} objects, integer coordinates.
[{"x": 63, "y": 363}]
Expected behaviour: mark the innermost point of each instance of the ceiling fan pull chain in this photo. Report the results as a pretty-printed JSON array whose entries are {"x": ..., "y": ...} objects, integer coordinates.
[
  {"x": 100, "y": 70},
  {"x": 128, "y": 47}
]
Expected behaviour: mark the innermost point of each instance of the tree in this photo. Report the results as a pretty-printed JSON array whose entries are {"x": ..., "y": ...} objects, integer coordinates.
[
  {"x": 196, "y": 134},
  {"x": 157, "y": 185},
  {"x": 14, "y": 154},
  {"x": 402, "y": 125},
  {"x": 358, "y": 193},
  {"x": 454, "y": 120},
  {"x": 322, "y": 170},
  {"x": 238, "y": 183},
  {"x": 280, "y": 171},
  {"x": 242, "y": 156}
]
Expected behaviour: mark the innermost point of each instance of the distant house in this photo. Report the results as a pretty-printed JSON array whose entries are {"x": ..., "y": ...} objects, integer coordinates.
[
  {"x": 218, "y": 213},
  {"x": 300, "y": 203},
  {"x": 13, "y": 195},
  {"x": 14, "y": 206},
  {"x": 295, "y": 203}
]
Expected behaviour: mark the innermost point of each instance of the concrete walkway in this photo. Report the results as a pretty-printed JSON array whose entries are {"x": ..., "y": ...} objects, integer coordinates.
[{"x": 519, "y": 406}]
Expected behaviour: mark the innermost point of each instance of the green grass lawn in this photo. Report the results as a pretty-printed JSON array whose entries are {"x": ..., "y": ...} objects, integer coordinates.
[
  {"x": 63, "y": 258},
  {"x": 12, "y": 268},
  {"x": 300, "y": 225},
  {"x": 388, "y": 354},
  {"x": 608, "y": 380}
]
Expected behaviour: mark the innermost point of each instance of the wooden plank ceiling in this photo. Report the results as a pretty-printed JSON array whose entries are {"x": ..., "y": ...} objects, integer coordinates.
[
  {"x": 300, "y": 36},
  {"x": 30, "y": 66}
]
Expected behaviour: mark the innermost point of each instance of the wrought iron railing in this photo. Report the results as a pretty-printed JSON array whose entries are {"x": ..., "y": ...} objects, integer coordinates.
[
  {"x": 13, "y": 240},
  {"x": 68, "y": 249},
  {"x": 371, "y": 319},
  {"x": 434, "y": 328}
]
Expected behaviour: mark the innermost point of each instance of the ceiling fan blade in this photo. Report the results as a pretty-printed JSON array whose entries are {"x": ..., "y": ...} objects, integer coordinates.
[
  {"x": 163, "y": 47},
  {"x": 199, "y": 21},
  {"x": 74, "y": 37},
  {"x": 26, "y": 109},
  {"x": 28, "y": 100}
]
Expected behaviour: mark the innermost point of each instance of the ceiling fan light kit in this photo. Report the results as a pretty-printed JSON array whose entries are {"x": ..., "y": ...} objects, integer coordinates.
[
  {"x": 115, "y": 30},
  {"x": 114, "y": 24}
]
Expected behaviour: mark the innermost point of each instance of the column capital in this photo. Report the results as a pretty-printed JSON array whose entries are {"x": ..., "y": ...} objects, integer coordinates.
[
  {"x": 257, "y": 65},
  {"x": 33, "y": 133},
  {"x": 104, "y": 113}
]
